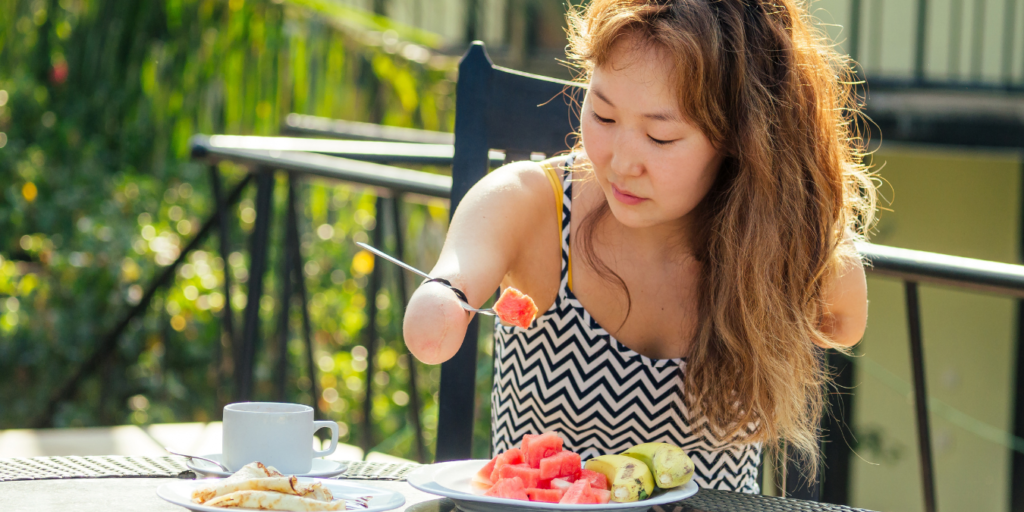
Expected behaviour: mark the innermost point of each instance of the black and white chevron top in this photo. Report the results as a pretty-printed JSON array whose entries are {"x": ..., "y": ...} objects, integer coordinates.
[{"x": 569, "y": 375}]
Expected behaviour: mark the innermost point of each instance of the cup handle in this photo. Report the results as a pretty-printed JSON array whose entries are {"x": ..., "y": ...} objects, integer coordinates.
[{"x": 317, "y": 425}]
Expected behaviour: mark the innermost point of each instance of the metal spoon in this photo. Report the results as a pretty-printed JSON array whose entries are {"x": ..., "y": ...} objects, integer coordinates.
[
  {"x": 190, "y": 457},
  {"x": 463, "y": 301}
]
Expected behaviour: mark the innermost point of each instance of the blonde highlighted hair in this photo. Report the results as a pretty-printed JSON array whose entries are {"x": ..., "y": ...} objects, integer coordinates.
[{"x": 768, "y": 90}]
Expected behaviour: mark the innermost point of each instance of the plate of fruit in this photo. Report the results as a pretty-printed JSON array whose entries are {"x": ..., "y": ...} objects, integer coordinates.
[{"x": 540, "y": 476}]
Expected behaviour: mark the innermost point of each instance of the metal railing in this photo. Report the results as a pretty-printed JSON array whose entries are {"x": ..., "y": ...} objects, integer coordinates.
[
  {"x": 287, "y": 155},
  {"x": 912, "y": 267}
]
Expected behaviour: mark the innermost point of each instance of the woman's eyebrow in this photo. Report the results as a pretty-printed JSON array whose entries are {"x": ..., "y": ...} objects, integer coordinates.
[
  {"x": 604, "y": 98},
  {"x": 665, "y": 115}
]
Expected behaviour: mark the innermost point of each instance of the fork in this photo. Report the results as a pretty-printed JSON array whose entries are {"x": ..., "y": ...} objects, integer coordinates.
[{"x": 463, "y": 300}]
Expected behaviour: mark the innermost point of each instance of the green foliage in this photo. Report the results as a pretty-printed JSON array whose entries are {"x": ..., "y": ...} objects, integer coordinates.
[{"x": 98, "y": 100}]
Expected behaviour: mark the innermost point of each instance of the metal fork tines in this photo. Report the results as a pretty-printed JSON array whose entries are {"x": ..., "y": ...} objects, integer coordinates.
[{"x": 487, "y": 311}]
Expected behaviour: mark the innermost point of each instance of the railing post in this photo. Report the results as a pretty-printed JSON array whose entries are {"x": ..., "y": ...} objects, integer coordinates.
[
  {"x": 855, "y": 16},
  {"x": 978, "y": 40},
  {"x": 288, "y": 257},
  {"x": 228, "y": 313},
  {"x": 414, "y": 397},
  {"x": 257, "y": 268},
  {"x": 1009, "y": 22},
  {"x": 298, "y": 273},
  {"x": 924, "y": 438},
  {"x": 371, "y": 329},
  {"x": 921, "y": 39}
]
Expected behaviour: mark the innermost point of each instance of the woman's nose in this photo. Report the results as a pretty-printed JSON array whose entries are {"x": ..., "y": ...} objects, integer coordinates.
[{"x": 627, "y": 159}]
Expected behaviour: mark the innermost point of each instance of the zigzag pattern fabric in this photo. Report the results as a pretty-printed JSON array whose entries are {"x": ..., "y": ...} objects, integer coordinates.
[{"x": 569, "y": 375}]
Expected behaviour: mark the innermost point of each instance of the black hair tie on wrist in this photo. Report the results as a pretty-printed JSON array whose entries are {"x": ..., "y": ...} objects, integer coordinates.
[{"x": 448, "y": 284}]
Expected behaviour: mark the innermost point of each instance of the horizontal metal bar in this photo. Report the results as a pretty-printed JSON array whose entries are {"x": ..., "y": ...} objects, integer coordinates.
[
  {"x": 326, "y": 127},
  {"x": 344, "y": 169},
  {"x": 886, "y": 83},
  {"x": 367, "y": 151},
  {"x": 908, "y": 264},
  {"x": 980, "y": 275}
]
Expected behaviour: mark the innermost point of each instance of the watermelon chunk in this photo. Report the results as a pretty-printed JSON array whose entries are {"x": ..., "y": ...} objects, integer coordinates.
[
  {"x": 516, "y": 308},
  {"x": 513, "y": 456},
  {"x": 524, "y": 445},
  {"x": 529, "y": 476},
  {"x": 558, "y": 483},
  {"x": 542, "y": 446},
  {"x": 480, "y": 483},
  {"x": 579, "y": 493},
  {"x": 561, "y": 464},
  {"x": 597, "y": 480},
  {"x": 508, "y": 488},
  {"x": 601, "y": 496},
  {"x": 488, "y": 468},
  {"x": 546, "y": 495}
]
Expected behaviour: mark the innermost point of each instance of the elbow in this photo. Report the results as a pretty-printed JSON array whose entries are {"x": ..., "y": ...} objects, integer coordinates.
[
  {"x": 434, "y": 326},
  {"x": 842, "y": 330}
]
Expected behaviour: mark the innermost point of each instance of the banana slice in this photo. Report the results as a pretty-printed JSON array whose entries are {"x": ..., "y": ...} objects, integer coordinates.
[
  {"x": 669, "y": 463},
  {"x": 630, "y": 479}
]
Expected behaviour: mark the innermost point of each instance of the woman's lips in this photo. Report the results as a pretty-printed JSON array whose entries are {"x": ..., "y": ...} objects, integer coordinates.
[{"x": 626, "y": 198}]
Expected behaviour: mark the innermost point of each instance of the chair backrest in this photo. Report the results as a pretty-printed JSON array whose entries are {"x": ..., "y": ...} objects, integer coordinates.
[{"x": 495, "y": 108}]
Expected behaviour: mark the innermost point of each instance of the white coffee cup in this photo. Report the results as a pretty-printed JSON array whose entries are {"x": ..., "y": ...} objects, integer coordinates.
[{"x": 275, "y": 434}]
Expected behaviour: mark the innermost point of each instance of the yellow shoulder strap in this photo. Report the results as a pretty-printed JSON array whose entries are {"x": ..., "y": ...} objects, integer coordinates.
[{"x": 556, "y": 184}]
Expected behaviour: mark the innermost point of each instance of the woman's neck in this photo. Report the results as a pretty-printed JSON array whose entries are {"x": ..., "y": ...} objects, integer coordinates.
[{"x": 669, "y": 242}]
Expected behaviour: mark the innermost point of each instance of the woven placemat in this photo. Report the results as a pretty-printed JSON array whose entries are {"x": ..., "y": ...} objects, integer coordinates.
[
  {"x": 112, "y": 466},
  {"x": 360, "y": 470},
  {"x": 46, "y": 468},
  {"x": 710, "y": 500}
]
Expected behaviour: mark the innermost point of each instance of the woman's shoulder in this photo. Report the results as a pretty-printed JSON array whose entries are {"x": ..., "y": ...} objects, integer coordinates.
[{"x": 526, "y": 182}]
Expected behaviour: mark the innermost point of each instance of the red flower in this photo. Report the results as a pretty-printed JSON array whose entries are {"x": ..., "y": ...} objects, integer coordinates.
[{"x": 59, "y": 72}]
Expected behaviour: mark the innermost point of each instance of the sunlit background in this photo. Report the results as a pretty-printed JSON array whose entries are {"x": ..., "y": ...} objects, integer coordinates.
[{"x": 99, "y": 100}]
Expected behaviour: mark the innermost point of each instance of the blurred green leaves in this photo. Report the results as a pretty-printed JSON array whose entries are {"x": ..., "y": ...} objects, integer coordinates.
[{"x": 98, "y": 100}]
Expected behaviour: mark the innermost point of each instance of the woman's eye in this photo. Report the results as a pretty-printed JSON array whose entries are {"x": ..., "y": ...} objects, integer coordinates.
[
  {"x": 601, "y": 119},
  {"x": 659, "y": 142}
]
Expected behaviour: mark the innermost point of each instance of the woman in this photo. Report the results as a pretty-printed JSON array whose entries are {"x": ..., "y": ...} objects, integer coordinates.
[{"x": 700, "y": 250}]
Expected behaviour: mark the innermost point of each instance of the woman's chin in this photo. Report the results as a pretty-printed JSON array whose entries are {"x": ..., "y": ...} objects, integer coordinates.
[{"x": 629, "y": 217}]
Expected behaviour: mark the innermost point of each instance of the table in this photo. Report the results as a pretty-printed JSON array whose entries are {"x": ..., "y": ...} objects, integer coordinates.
[{"x": 138, "y": 494}]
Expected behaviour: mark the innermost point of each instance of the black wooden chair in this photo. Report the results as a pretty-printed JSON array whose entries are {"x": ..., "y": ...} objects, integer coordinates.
[
  {"x": 520, "y": 113},
  {"x": 495, "y": 108}
]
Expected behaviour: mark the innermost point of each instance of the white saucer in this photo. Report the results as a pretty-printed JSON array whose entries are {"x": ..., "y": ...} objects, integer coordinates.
[
  {"x": 322, "y": 468},
  {"x": 180, "y": 493}
]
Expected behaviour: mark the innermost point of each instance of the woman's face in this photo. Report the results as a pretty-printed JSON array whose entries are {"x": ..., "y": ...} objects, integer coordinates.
[{"x": 652, "y": 164}]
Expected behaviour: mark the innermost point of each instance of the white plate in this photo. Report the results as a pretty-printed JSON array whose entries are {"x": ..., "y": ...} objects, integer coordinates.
[
  {"x": 322, "y": 468},
  {"x": 180, "y": 493},
  {"x": 451, "y": 480}
]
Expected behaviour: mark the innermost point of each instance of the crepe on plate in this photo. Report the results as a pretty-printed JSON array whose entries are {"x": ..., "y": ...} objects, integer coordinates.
[
  {"x": 263, "y": 487},
  {"x": 269, "y": 500}
]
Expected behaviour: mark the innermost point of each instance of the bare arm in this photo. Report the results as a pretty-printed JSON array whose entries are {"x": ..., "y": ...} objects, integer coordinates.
[
  {"x": 485, "y": 239},
  {"x": 846, "y": 306}
]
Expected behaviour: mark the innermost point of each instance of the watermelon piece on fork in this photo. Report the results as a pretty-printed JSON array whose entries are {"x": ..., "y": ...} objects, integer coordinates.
[{"x": 516, "y": 308}]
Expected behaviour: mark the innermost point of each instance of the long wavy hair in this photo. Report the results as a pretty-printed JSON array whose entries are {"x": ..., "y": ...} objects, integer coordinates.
[{"x": 772, "y": 95}]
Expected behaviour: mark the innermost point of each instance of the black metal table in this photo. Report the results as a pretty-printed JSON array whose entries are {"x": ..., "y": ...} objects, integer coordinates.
[{"x": 128, "y": 484}]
